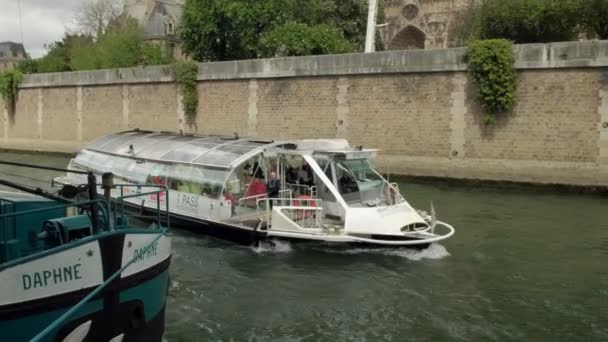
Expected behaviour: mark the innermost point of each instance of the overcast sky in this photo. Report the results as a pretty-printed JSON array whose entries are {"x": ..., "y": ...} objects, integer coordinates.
[{"x": 44, "y": 21}]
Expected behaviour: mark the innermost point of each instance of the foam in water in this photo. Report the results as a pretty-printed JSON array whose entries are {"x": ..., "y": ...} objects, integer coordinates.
[
  {"x": 434, "y": 251},
  {"x": 273, "y": 246}
]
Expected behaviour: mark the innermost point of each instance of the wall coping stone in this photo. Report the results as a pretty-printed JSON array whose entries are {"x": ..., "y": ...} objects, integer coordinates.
[{"x": 579, "y": 54}]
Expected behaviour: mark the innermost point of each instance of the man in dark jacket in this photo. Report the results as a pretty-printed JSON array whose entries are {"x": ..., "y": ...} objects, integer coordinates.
[{"x": 273, "y": 187}]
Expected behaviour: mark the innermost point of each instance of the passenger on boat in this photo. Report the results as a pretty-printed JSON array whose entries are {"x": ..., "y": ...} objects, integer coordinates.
[
  {"x": 305, "y": 175},
  {"x": 246, "y": 174},
  {"x": 291, "y": 175},
  {"x": 273, "y": 187},
  {"x": 348, "y": 184},
  {"x": 257, "y": 171}
]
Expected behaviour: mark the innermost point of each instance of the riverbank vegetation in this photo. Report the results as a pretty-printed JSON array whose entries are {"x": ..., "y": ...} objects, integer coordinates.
[
  {"x": 9, "y": 87},
  {"x": 120, "y": 46},
  {"x": 530, "y": 21},
  {"x": 105, "y": 37},
  {"x": 218, "y": 30},
  {"x": 185, "y": 74},
  {"x": 491, "y": 65}
]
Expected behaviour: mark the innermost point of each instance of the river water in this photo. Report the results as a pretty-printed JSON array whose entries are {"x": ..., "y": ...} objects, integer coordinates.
[{"x": 524, "y": 265}]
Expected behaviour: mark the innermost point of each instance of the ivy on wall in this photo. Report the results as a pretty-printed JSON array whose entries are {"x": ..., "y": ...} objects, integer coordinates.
[
  {"x": 185, "y": 75},
  {"x": 492, "y": 66},
  {"x": 9, "y": 87}
]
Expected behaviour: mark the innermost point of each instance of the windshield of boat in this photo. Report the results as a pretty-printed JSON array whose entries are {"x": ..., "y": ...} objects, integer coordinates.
[{"x": 359, "y": 183}]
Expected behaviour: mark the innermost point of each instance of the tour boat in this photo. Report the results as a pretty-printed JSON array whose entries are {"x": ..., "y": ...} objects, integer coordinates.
[
  {"x": 247, "y": 188},
  {"x": 75, "y": 270}
]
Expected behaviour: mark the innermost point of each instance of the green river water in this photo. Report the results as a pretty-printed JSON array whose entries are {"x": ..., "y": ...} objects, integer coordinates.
[{"x": 523, "y": 266}]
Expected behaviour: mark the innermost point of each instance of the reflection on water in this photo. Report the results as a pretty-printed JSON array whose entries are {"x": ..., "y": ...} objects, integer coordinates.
[{"x": 522, "y": 266}]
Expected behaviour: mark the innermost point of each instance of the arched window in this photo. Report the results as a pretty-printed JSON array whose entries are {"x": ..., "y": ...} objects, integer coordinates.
[{"x": 408, "y": 38}]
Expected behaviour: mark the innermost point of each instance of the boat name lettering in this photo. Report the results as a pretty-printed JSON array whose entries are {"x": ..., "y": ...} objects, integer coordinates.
[
  {"x": 51, "y": 277},
  {"x": 143, "y": 254},
  {"x": 190, "y": 201}
]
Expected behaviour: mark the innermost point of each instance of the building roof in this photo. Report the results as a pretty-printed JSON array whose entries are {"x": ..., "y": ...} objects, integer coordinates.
[
  {"x": 154, "y": 15},
  {"x": 12, "y": 50}
]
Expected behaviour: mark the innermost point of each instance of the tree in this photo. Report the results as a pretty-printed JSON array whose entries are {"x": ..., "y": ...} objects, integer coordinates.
[
  {"x": 28, "y": 66},
  {"x": 56, "y": 59},
  {"x": 464, "y": 26},
  {"x": 296, "y": 39},
  {"x": 120, "y": 46},
  {"x": 93, "y": 16},
  {"x": 231, "y": 29},
  {"x": 529, "y": 21},
  {"x": 59, "y": 55},
  {"x": 222, "y": 29},
  {"x": 594, "y": 14}
]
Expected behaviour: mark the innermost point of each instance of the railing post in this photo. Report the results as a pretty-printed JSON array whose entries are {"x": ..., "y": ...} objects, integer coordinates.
[
  {"x": 158, "y": 209},
  {"x": 107, "y": 183},
  {"x": 92, "y": 182},
  {"x": 122, "y": 205},
  {"x": 167, "y": 206}
]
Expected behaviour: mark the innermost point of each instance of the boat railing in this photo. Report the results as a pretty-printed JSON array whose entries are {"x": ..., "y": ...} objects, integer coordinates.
[
  {"x": 44, "y": 334},
  {"x": 109, "y": 219},
  {"x": 7, "y": 223},
  {"x": 307, "y": 213},
  {"x": 301, "y": 189},
  {"x": 161, "y": 194}
]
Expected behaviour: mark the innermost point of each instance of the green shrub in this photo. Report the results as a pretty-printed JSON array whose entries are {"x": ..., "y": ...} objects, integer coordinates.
[
  {"x": 298, "y": 39},
  {"x": 491, "y": 65},
  {"x": 529, "y": 21},
  {"x": 9, "y": 87},
  {"x": 185, "y": 75}
]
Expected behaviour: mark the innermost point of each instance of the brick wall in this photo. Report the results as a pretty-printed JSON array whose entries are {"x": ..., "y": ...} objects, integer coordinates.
[
  {"x": 222, "y": 107},
  {"x": 25, "y": 125},
  {"x": 401, "y": 114},
  {"x": 59, "y": 113},
  {"x": 151, "y": 106},
  {"x": 297, "y": 108},
  {"x": 415, "y": 106},
  {"x": 555, "y": 119}
]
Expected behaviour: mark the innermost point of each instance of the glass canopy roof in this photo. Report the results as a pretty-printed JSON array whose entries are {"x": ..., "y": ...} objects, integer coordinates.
[{"x": 173, "y": 147}]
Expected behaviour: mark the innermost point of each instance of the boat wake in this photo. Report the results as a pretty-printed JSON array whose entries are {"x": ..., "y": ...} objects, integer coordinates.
[
  {"x": 273, "y": 246},
  {"x": 434, "y": 252}
]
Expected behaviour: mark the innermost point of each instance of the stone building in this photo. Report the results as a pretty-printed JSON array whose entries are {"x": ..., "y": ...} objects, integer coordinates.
[
  {"x": 159, "y": 20},
  {"x": 419, "y": 24},
  {"x": 11, "y": 54}
]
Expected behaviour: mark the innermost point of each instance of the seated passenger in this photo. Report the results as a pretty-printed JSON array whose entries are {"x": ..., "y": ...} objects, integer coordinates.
[
  {"x": 256, "y": 189},
  {"x": 348, "y": 184}
]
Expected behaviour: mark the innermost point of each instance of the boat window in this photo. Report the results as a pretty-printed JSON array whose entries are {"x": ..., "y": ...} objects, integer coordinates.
[
  {"x": 93, "y": 161},
  {"x": 225, "y": 155},
  {"x": 158, "y": 174},
  {"x": 125, "y": 139},
  {"x": 194, "y": 179},
  {"x": 188, "y": 152},
  {"x": 137, "y": 145},
  {"x": 323, "y": 190},
  {"x": 162, "y": 147},
  {"x": 103, "y": 140},
  {"x": 358, "y": 182}
]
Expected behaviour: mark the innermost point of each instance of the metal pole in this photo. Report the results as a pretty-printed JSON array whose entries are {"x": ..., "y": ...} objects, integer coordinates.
[
  {"x": 107, "y": 183},
  {"x": 92, "y": 184},
  {"x": 370, "y": 38}
]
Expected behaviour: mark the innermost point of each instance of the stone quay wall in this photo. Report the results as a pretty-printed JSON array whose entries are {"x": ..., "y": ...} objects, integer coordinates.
[{"x": 419, "y": 107}]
